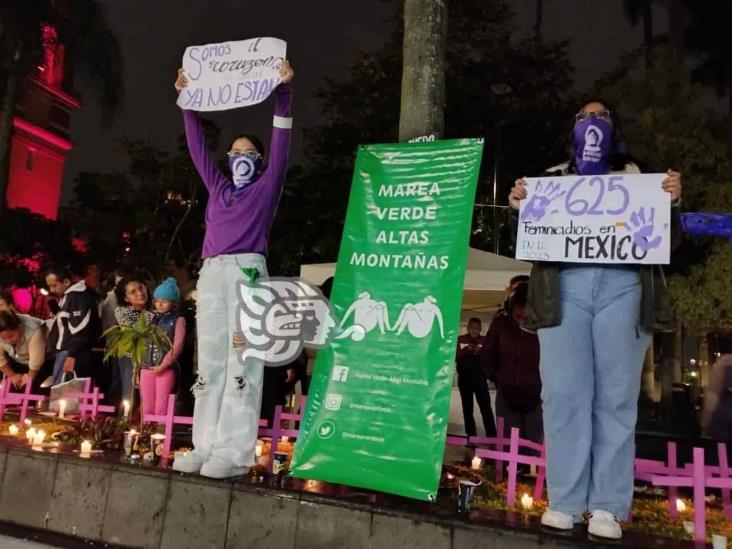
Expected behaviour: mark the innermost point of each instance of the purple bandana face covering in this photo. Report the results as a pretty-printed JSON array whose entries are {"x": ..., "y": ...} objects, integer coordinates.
[
  {"x": 592, "y": 142},
  {"x": 244, "y": 170}
]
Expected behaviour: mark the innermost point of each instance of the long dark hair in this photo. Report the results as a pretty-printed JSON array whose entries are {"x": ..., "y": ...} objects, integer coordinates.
[{"x": 619, "y": 156}]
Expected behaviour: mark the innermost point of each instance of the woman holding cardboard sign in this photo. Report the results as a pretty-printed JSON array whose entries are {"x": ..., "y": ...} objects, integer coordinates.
[
  {"x": 594, "y": 323},
  {"x": 239, "y": 215}
]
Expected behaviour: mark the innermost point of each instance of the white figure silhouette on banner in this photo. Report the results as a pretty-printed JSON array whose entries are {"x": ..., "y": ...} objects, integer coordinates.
[
  {"x": 369, "y": 314},
  {"x": 419, "y": 318}
]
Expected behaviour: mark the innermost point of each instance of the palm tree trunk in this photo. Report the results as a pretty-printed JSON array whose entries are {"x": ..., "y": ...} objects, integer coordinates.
[
  {"x": 539, "y": 18},
  {"x": 423, "y": 72},
  {"x": 6, "y": 131}
]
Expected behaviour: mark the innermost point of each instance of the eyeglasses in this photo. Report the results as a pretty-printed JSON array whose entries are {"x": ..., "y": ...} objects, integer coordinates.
[
  {"x": 249, "y": 154},
  {"x": 602, "y": 114}
]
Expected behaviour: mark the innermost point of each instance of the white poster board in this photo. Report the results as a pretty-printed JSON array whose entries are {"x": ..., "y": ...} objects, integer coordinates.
[
  {"x": 230, "y": 75},
  {"x": 619, "y": 218}
]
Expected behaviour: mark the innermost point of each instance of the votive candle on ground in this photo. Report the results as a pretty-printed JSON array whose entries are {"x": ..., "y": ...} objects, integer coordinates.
[
  {"x": 527, "y": 502},
  {"x": 258, "y": 448},
  {"x": 38, "y": 438},
  {"x": 28, "y": 423},
  {"x": 61, "y": 408},
  {"x": 475, "y": 464},
  {"x": 126, "y": 408},
  {"x": 680, "y": 505},
  {"x": 13, "y": 430},
  {"x": 86, "y": 448},
  {"x": 719, "y": 541},
  {"x": 29, "y": 434}
]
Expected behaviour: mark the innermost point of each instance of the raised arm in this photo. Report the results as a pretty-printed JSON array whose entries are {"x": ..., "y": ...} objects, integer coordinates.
[
  {"x": 281, "y": 127},
  {"x": 196, "y": 138}
]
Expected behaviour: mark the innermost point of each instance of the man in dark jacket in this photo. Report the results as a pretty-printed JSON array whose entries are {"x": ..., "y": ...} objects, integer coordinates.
[
  {"x": 472, "y": 380},
  {"x": 510, "y": 358},
  {"x": 76, "y": 326}
]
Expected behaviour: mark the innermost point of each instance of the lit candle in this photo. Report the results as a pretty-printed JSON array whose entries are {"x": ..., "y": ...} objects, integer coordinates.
[
  {"x": 28, "y": 423},
  {"x": 86, "y": 448},
  {"x": 29, "y": 434},
  {"x": 126, "y": 408},
  {"x": 61, "y": 408},
  {"x": 13, "y": 430},
  {"x": 475, "y": 464},
  {"x": 38, "y": 438},
  {"x": 285, "y": 439},
  {"x": 258, "y": 448},
  {"x": 680, "y": 505},
  {"x": 450, "y": 476},
  {"x": 527, "y": 502}
]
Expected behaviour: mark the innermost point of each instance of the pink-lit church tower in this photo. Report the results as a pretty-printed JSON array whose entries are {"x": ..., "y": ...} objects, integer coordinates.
[{"x": 41, "y": 140}]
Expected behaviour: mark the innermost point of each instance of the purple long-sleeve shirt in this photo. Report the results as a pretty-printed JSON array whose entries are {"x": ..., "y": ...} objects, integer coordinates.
[{"x": 240, "y": 222}]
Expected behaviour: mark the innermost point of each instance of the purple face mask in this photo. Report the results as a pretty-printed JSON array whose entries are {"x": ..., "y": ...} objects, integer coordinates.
[
  {"x": 244, "y": 170},
  {"x": 592, "y": 144}
]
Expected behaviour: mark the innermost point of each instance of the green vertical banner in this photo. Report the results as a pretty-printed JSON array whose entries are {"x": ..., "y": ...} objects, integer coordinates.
[{"x": 379, "y": 400}]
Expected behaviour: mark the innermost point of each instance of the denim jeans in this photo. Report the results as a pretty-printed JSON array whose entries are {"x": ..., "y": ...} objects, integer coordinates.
[
  {"x": 591, "y": 368},
  {"x": 125, "y": 376},
  {"x": 58, "y": 367},
  {"x": 228, "y": 394}
]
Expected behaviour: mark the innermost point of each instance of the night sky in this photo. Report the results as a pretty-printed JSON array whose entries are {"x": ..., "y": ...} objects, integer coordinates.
[{"x": 324, "y": 37}]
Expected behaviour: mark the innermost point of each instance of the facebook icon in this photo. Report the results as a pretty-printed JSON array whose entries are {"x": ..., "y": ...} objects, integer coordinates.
[{"x": 340, "y": 373}]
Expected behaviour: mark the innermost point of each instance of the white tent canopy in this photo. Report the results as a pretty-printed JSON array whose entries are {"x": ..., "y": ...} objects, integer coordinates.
[{"x": 486, "y": 278}]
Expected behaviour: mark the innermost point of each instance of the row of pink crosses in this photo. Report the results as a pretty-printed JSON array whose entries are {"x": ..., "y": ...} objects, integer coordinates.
[
  {"x": 501, "y": 449},
  {"x": 696, "y": 475}
]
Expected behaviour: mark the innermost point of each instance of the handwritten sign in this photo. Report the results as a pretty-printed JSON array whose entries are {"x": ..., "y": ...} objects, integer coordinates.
[
  {"x": 231, "y": 74},
  {"x": 620, "y": 218}
]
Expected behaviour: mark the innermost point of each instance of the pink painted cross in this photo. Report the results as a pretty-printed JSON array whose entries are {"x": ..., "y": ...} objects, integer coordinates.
[
  {"x": 499, "y": 442},
  {"x": 646, "y": 469},
  {"x": 168, "y": 420},
  {"x": 90, "y": 402},
  {"x": 700, "y": 479},
  {"x": 513, "y": 457},
  {"x": 6, "y": 398}
]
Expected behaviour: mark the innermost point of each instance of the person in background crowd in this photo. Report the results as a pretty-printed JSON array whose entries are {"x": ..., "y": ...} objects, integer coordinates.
[
  {"x": 23, "y": 350},
  {"x": 109, "y": 304},
  {"x": 472, "y": 380},
  {"x": 158, "y": 378},
  {"x": 594, "y": 323},
  {"x": 510, "y": 359},
  {"x": 133, "y": 302},
  {"x": 6, "y": 302},
  {"x": 178, "y": 269},
  {"x": 717, "y": 411},
  {"x": 75, "y": 328}
]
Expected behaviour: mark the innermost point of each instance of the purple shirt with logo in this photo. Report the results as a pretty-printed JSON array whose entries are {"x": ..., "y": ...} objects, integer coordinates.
[{"x": 240, "y": 222}]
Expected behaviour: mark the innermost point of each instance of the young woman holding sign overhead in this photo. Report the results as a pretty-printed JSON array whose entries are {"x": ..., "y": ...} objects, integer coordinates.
[
  {"x": 239, "y": 214},
  {"x": 594, "y": 323}
]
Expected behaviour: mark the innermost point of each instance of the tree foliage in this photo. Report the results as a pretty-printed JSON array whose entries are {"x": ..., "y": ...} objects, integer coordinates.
[{"x": 666, "y": 127}]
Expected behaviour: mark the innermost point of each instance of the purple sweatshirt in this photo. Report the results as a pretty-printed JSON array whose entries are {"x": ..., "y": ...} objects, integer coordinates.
[{"x": 240, "y": 222}]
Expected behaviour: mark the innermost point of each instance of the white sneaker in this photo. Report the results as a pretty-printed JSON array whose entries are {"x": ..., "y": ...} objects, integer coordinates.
[
  {"x": 604, "y": 525},
  {"x": 218, "y": 467},
  {"x": 555, "y": 519},
  {"x": 189, "y": 463}
]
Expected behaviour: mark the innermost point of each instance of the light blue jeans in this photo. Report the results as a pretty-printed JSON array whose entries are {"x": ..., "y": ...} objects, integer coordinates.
[
  {"x": 228, "y": 394},
  {"x": 591, "y": 368}
]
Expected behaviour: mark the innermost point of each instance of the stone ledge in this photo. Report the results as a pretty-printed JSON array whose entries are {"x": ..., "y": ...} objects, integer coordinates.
[{"x": 138, "y": 506}]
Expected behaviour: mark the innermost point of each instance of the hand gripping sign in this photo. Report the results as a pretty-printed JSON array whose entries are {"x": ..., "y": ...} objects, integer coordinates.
[
  {"x": 230, "y": 75},
  {"x": 622, "y": 218}
]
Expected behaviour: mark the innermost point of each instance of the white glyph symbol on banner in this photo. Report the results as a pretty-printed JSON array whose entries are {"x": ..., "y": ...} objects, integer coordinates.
[
  {"x": 417, "y": 318},
  {"x": 280, "y": 316}
]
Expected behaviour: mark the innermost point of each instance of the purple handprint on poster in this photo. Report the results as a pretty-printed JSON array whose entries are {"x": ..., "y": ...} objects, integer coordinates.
[
  {"x": 643, "y": 228},
  {"x": 541, "y": 198}
]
